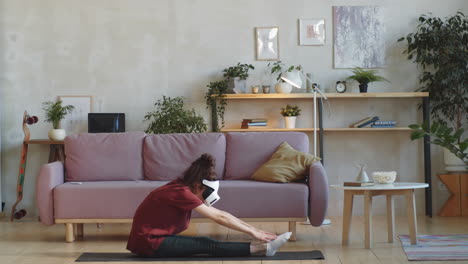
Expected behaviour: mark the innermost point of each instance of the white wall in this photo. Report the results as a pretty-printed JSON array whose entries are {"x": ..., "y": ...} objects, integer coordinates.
[{"x": 127, "y": 54}]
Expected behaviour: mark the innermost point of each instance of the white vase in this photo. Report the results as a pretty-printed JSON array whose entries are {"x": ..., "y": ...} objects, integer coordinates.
[
  {"x": 293, "y": 77},
  {"x": 283, "y": 87},
  {"x": 290, "y": 121},
  {"x": 57, "y": 134},
  {"x": 452, "y": 162}
]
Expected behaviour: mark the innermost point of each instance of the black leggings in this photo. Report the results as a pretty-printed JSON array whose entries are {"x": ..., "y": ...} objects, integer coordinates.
[{"x": 184, "y": 246}]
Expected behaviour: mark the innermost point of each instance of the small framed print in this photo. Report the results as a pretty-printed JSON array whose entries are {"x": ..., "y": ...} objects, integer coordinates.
[
  {"x": 76, "y": 121},
  {"x": 311, "y": 32},
  {"x": 267, "y": 45}
]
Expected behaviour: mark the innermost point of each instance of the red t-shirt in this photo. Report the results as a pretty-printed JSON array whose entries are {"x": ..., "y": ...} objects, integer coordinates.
[{"x": 165, "y": 211}]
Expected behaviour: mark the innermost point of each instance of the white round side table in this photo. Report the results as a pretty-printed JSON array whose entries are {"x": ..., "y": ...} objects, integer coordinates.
[{"x": 398, "y": 188}]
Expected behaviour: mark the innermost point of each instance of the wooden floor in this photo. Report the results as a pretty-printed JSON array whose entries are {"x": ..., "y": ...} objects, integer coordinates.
[{"x": 31, "y": 242}]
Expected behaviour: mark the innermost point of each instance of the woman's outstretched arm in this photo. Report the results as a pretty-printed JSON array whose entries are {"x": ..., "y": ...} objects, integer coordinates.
[{"x": 230, "y": 221}]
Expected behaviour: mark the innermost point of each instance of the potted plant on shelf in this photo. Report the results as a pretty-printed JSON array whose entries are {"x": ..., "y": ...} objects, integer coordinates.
[
  {"x": 290, "y": 113},
  {"x": 364, "y": 77},
  {"x": 237, "y": 77},
  {"x": 291, "y": 72},
  {"x": 55, "y": 112},
  {"x": 171, "y": 117},
  {"x": 216, "y": 99},
  {"x": 439, "y": 47}
]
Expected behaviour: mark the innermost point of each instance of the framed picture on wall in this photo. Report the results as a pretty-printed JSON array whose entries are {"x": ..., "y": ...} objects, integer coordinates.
[
  {"x": 266, "y": 43},
  {"x": 311, "y": 32},
  {"x": 76, "y": 121}
]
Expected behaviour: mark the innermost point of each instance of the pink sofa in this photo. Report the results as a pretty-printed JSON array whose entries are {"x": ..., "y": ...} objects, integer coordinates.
[{"x": 106, "y": 176}]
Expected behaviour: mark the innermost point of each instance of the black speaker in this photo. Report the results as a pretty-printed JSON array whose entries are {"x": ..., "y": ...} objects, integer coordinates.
[{"x": 106, "y": 122}]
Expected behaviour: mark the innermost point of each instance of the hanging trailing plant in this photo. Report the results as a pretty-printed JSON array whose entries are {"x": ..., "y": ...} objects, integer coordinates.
[{"x": 216, "y": 100}]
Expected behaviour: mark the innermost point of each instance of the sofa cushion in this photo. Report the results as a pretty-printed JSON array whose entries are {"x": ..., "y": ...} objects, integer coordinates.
[
  {"x": 247, "y": 151},
  {"x": 285, "y": 165},
  {"x": 104, "y": 157},
  {"x": 120, "y": 199},
  {"x": 167, "y": 156},
  {"x": 101, "y": 200},
  {"x": 251, "y": 199}
]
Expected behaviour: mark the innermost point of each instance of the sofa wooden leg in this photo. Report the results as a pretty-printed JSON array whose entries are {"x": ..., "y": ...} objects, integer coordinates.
[
  {"x": 80, "y": 230},
  {"x": 69, "y": 236},
  {"x": 292, "y": 229}
]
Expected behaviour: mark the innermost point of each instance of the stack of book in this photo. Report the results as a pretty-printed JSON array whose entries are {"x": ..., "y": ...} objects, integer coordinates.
[
  {"x": 373, "y": 122},
  {"x": 254, "y": 123},
  {"x": 383, "y": 124}
]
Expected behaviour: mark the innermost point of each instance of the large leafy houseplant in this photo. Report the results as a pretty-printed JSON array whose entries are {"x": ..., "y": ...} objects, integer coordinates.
[
  {"x": 439, "y": 47},
  {"x": 239, "y": 70},
  {"x": 171, "y": 117},
  {"x": 55, "y": 112},
  {"x": 216, "y": 99},
  {"x": 364, "y": 77}
]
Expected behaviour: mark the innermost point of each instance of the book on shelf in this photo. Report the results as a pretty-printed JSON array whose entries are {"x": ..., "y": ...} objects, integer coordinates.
[
  {"x": 255, "y": 123},
  {"x": 255, "y": 120},
  {"x": 382, "y": 126},
  {"x": 360, "y": 122},
  {"x": 385, "y": 122},
  {"x": 358, "y": 184},
  {"x": 369, "y": 122}
]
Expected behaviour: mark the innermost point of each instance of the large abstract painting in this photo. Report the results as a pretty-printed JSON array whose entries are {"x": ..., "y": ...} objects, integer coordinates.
[{"x": 358, "y": 37}]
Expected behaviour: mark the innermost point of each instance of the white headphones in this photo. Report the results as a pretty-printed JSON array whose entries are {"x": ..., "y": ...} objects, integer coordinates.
[{"x": 211, "y": 193}]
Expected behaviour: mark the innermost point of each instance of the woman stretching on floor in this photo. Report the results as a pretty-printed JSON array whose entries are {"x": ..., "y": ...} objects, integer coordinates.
[{"x": 166, "y": 212}]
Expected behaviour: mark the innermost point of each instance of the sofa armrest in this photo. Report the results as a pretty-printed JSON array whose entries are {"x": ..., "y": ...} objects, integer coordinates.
[
  {"x": 50, "y": 175},
  {"x": 318, "y": 193}
]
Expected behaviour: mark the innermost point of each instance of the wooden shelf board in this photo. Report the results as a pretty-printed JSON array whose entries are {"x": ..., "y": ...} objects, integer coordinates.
[
  {"x": 340, "y": 129},
  {"x": 329, "y": 95},
  {"x": 44, "y": 141}
]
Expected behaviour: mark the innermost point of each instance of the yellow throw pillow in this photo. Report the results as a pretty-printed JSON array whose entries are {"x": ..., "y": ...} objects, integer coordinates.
[{"x": 285, "y": 165}]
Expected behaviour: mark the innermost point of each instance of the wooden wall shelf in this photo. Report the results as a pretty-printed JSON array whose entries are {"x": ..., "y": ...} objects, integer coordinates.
[
  {"x": 329, "y": 95},
  {"x": 344, "y": 129}
]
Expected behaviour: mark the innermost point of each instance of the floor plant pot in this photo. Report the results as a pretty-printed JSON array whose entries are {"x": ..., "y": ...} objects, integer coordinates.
[
  {"x": 283, "y": 87},
  {"x": 363, "y": 87},
  {"x": 290, "y": 121},
  {"x": 236, "y": 85},
  {"x": 57, "y": 134},
  {"x": 452, "y": 162}
]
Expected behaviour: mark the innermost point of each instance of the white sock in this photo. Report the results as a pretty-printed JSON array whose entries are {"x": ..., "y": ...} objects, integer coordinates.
[{"x": 274, "y": 245}]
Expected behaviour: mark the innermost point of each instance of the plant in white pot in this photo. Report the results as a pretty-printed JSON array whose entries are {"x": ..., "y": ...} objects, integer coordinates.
[
  {"x": 237, "y": 77},
  {"x": 290, "y": 114},
  {"x": 439, "y": 48},
  {"x": 55, "y": 112},
  {"x": 291, "y": 73}
]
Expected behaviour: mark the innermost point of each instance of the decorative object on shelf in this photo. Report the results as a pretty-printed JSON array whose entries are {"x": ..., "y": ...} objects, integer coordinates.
[
  {"x": 311, "y": 32},
  {"x": 340, "y": 86},
  {"x": 364, "y": 77},
  {"x": 77, "y": 121},
  {"x": 292, "y": 72},
  {"x": 315, "y": 89},
  {"x": 255, "y": 89},
  {"x": 266, "y": 89},
  {"x": 384, "y": 177},
  {"x": 267, "y": 45},
  {"x": 309, "y": 88},
  {"x": 171, "y": 117},
  {"x": 290, "y": 113},
  {"x": 216, "y": 100},
  {"x": 237, "y": 77},
  {"x": 358, "y": 37},
  {"x": 440, "y": 134},
  {"x": 443, "y": 75},
  {"x": 362, "y": 175},
  {"x": 55, "y": 112}
]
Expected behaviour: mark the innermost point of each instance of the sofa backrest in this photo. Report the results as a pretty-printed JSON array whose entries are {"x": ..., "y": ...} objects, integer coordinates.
[
  {"x": 247, "y": 151},
  {"x": 167, "y": 156},
  {"x": 104, "y": 157}
]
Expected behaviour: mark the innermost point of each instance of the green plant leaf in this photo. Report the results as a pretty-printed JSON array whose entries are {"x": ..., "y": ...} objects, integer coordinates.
[
  {"x": 417, "y": 135},
  {"x": 415, "y": 126}
]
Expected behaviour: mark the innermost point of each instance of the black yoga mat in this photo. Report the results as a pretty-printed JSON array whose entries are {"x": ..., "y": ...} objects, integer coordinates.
[{"x": 107, "y": 257}]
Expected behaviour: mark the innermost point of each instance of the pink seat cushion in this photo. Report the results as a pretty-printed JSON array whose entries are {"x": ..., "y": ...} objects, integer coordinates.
[
  {"x": 246, "y": 151},
  {"x": 166, "y": 157},
  {"x": 120, "y": 199},
  {"x": 104, "y": 157},
  {"x": 101, "y": 200}
]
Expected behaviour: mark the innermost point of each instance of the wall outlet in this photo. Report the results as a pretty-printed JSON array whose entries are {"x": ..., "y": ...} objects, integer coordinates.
[{"x": 442, "y": 186}]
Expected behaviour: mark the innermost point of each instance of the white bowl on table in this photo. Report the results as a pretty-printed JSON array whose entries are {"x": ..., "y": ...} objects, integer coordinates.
[{"x": 384, "y": 177}]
